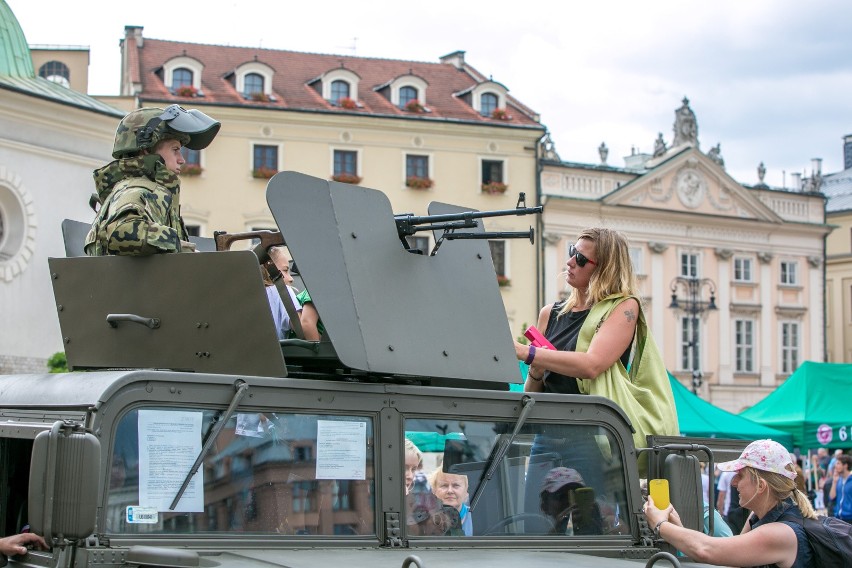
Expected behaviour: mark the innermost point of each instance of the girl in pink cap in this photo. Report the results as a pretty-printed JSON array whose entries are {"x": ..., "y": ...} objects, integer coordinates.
[{"x": 772, "y": 537}]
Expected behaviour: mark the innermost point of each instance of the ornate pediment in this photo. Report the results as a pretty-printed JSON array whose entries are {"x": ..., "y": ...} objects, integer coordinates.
[{"x": 690, "y": 182}]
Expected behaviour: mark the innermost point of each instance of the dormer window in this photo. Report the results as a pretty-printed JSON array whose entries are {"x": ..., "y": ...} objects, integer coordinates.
[
  {"x": 254, "y": 81},
  {"x": 339, "y": 90},
  {"x": 182, "y": 76},
  {"x": 339, "y": 87},
  {"x": 253, "y": 85},
  {"x": 488, "y": 103},
  {"x": 406, "y": 95}
]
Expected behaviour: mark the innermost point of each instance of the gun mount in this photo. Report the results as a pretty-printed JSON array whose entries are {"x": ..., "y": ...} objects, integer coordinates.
[{"x": 408, "y": 224}]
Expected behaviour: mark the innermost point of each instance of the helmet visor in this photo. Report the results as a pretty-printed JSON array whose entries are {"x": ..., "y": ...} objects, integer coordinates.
[{"x": 200, "y": 128}]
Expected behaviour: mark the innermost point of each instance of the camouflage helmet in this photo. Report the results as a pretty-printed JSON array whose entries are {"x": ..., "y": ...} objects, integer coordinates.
[{"x": 145, "y": 127}]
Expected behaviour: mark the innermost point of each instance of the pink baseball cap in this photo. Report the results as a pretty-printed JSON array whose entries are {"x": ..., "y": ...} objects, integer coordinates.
[
  {"x": 558, "y": 477},
  {"x": 765, "y": 455}
]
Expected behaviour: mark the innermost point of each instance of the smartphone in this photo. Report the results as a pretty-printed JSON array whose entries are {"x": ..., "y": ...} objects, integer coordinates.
[{"x": 659, "y": 491}]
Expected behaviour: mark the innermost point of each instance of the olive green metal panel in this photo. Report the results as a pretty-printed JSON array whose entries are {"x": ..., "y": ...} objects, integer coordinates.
[
  {"x": 387, "y": 310},
  {"x": 202, "y": 312}
]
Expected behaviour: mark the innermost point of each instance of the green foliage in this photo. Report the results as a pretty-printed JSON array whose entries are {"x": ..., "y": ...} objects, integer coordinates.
[
  {"x": 57, "y": 363},
  {"x": 522, "y": 339}
]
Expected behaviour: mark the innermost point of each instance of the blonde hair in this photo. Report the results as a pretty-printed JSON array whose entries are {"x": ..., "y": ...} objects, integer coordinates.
[
  {"x": 411, "y": 449},
  {"x": 781, "y": 488},
  {"x": 436, "y": 476},
  {"x": 614, "y": 270}
]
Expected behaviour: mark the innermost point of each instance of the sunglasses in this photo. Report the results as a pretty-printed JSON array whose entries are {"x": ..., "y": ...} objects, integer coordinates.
[{"x": 581, "y": 259}]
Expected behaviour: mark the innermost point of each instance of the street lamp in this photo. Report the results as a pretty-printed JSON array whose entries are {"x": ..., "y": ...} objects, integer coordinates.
[{"x": 694, "y": 306}]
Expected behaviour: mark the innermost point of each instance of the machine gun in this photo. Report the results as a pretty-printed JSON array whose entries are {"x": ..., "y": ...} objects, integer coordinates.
[{"x": 408, "y": 224}]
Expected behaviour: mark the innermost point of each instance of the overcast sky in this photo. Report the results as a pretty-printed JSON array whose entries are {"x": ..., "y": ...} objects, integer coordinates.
[{"x": 771, "y": 80}]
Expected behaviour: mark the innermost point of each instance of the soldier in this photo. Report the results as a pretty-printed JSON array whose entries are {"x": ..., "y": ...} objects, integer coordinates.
[{"x": 139, "y": 192}]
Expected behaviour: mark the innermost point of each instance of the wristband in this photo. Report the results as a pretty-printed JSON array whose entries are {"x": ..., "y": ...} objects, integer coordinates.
[
  {"x": 657, "y": 528},
  {"x": 530, "y": 355}
]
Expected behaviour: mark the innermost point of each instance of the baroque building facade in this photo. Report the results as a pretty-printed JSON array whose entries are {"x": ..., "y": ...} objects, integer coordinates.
[{"x": 731, "y": 276}]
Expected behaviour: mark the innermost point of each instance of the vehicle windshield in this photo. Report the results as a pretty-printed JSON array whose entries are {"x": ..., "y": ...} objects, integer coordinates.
[
  {"x": 266, "y": 473},
  {"x": 555, "y": 480}
]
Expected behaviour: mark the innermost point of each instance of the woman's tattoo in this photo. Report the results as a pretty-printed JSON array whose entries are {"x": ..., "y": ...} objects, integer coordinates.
[{"x": 629, "y": 315}]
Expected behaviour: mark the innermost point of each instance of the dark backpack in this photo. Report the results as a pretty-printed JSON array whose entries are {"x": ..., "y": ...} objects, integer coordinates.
[{"x": 830, "y": 538}]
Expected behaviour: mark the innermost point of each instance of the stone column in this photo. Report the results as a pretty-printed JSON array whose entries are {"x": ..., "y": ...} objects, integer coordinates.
[
  {"x": 552, "y": 259},
  {"x": 723, "y": 302},
  {"x": 659, "y": 290},
  {"x": 815, "y": 312},
  {"x": 768, "y": 335}
]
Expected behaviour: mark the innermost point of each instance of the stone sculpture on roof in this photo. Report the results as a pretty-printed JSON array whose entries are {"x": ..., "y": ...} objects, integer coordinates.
[
  {"x": 659, "y": 146},
  {"x": 715, "y": 154},
  {"x": 685, "y": 126}
]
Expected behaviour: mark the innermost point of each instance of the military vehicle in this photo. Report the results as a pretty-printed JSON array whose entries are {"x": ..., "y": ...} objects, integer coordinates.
[{"x": 188, "y": 435}]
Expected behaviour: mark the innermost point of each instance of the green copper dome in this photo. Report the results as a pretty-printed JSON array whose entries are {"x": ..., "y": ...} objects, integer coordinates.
[{"x": 15, "y": 57}]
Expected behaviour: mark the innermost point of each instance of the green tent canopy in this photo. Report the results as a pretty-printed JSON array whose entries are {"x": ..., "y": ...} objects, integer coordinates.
[
  {"x": 698, "y": 417},
  {"x": 812, "y": 405}
]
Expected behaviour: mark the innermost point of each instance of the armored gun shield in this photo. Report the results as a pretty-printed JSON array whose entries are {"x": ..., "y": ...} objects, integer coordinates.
[{"x": 386, "y": 310}]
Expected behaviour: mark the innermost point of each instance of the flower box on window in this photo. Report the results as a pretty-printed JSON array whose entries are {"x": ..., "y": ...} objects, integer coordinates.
[
  {"x": 263, "y": 173},
  {"x": 500, "y": 114},
  {"x": 503, "y": 280},
  {"x": 415, "y": 182},
  {"x": 347, "y": 178},
  {"x": 347, "y": 103},
  {"x": 186, "y": 91},
  {"x": 414, "y": 106},
  {"x": 494, "y": 187},
  {"x": 191, "y": 170},
  {"x": 260, "y": 97}
]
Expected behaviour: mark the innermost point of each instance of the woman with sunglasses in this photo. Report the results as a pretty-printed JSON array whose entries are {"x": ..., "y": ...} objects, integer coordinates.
[
  {"x": 598, "y": 266},
  {"x": 594, "y": 331}
]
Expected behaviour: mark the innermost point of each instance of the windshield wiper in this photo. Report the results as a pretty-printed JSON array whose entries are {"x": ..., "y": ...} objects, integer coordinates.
[
  {"x": 505, "y": 443},
  {"x": 242, "y": 388}
]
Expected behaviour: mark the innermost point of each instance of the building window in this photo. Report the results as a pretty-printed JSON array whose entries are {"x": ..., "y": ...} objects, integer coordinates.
[
  {"x": 406, "y": 95},
  {"x": 789, "y": 347},
  {"x": 193, "y": 230},
  {"x": 492, "y": 171},
  {"x": 689, "y": 265},
  {"x": 498, "y": 256},
  {"x": 636, "y": 260},
  {"x": 345, "y": 162},
  {"x": 690, "y": 333},
  {"x": 304, "y": 496},
  {"x": 418, "y": 243},
  {"x": 788, "y": 272},
  {"x": 416, "y": 166},
  {"x": 302, "y": 453},
  {"x": 265, "y": 157},
  {"x": 488, "y": 103},
  {"x": 340, "y": 498},
  {"x": 742, "y": 270},
  {"x": 57, "y": 72},
  {"x": 192, "y": 157},
  {"x": 744, "y": 345},
  {"x": 253, "y": 85},
  {"x": 181, "y": 77},
  {"x": 339, "y": 90}
]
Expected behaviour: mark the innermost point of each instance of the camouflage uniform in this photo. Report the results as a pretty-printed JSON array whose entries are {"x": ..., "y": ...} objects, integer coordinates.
[{"x": 140, "y": 209}]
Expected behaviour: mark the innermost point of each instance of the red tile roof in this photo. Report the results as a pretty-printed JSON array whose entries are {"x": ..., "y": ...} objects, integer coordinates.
[{"x": 294, "y": 71}]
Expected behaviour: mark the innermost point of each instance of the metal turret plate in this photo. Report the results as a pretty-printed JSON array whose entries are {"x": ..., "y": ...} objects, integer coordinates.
[
  {"x": 386, "y": 310},
  {"x": 213, "y": 314}
]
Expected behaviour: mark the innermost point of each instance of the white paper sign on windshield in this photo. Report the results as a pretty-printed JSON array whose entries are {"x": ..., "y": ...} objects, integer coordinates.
[
  {"x": 169, "y": 442},
  {"x": 341, "y": 450}
]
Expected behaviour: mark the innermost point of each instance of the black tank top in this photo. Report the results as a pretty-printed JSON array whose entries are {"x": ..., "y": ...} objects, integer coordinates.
[{"x": 563, "y": 332}]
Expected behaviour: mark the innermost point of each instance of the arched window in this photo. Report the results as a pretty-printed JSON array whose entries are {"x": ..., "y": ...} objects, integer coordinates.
[
  {"x": 181, "y": 77},
  {"x": 488, "y": 104},
  {"x": 253, "y": 84},
  {"x": 57, "y": 72},
  {"x": 406, "y": 95},
  {"x": 339, "y": 90}
]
